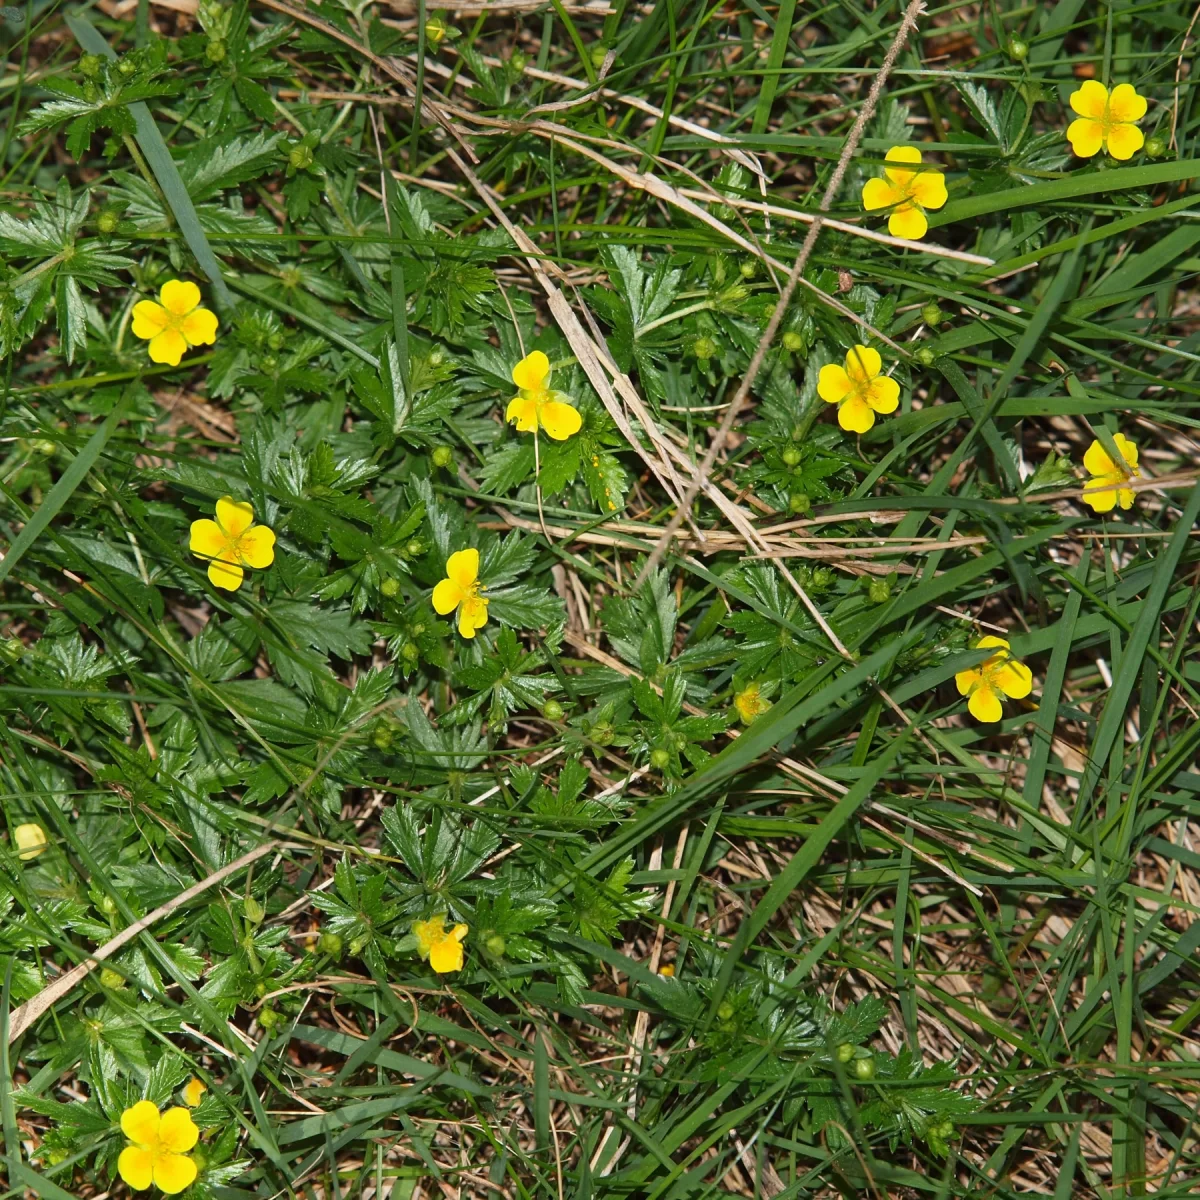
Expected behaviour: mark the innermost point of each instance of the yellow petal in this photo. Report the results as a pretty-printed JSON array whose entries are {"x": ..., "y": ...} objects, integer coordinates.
[
  {"x": 929, "y": 189},
  {"x": 199, "y": 327},
  {"x": 177, "y": 1131},
  {"x": 1097, "y": 461},
  {"x": 463, "y": 567},
  {"x": 234, "y": 516},
  {"x": 179, "y": 297},
  {"x": 1128, "y": 449},
  {"x": 225, "y": 575},
  {"x": 1091, "y": 100},
  {"x": 523, "y": 410},
  {"x": 149, "y": 319},
  {"x": 966, "y": 680},
  {"x": 907, "y": 153},
  {"x": 855, "y": 415},
  {"x": 173, "y": 1173},
  {"x": 560, "y": 420},
  {"x": 833, "y": 384},
  {"x": 1100, "y": 501},
  {"x": 879, "y": 193},
  {"x": 30, "y": 840},
  {"x": 908, "y": 221},
  {"x": 531, "y": 373},
  {"x": 136, "y": 1167},
  {"x": 208, "y": 539},
  {"x": 1124, "y": 141},
  {"x": 447, "y": 596},
  {"x": 446, "y": 956},
  {"x": 168, "y": 347},
  {"x": 1125, "y": 105},
  {"x": 1086, "y": 137},
  {"x": 884, "y": 394},
  {"x": 901, "y": 176},
  {"x": 472, "y": 615},
  {"x": 193, "y": 1093},
  {"x": 428, "y": 932},
  {"x": 256, "y": 547},
  {"x": 1126, "y": 497},
  {"x": 140, "y": 1123},
  {"x": 1014, "y": 679},
  {"x": 984, "y": 705},
  {"x": 862, "y": 364},
  {"x": 991, "y": 642}
]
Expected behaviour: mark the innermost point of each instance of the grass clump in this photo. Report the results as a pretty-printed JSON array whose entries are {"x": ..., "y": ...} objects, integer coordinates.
[{"x": 599, "y": 600}]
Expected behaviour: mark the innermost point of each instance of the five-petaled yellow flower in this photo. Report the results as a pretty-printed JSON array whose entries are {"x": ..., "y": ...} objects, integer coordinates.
[
  {"x": 175, "y": 323},
  {"x": 441, "y": 946},
  {"x": 998, "y": 676},
  {"x": 158, "y": 1150},
  {"x": 536, "y": 405},
  {"x": 750, "y": 702},
  {"x": 193, "y": 1093},
  {"x": 858, "y": 389},
  {"x": 460, "y": 589},
  {"x": 232, "y": 542},
  {"x": 907, "y": 192},
  {"x": 1106, "y": 120},
  {"x": 1100, "y": 465},
  {"x": 30, "y": 839}
]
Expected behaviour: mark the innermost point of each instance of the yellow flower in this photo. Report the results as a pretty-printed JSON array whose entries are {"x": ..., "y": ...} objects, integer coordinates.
[
  {"x": 858, "y": 389},
  {"x": 175, "y": 323},
  {"x": 460, "y": 589},
  {"x": 158, "y": 1150},
  {"x": 30, "y": 840},
  {"x": 441, "y": 946},
  {"x": 1106, "y": 120},
  {"x": 232, "y": 542},
  {"x": 906, "y": 192},
  {"x": 536, "y": 405},
  {"x": 1099, "y": 464},
  {"x": 750, "y": 702},
  {"x": 667, "y": 970},
  {"x": 995, "y": 677},
  {"x": 193, "y": 1093}
]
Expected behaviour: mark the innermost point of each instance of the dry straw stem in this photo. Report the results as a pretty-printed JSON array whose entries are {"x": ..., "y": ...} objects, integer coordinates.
[
  {"x": 21, "y": 1018},
  {"x": 865, "y": 114}
]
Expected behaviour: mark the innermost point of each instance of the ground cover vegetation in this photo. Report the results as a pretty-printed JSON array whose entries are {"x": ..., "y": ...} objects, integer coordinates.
[{"x": 599, "y": 599}]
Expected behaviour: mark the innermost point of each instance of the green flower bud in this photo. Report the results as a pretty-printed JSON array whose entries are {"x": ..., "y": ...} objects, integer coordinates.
[
  {"x": 435, "y": 31},
  {"x": 494, "y": 944},
  {"x": 1018, "y": 50},
  {"x": 518, "y": 60},
  {"x": 822, "y": 579},
  {"x": 660, "y": 759},
  {"x": 90, "y": 66},
  {"x": 126, "y": 67},
  {"x": 552, "y": 710},
  {"x": 944, "y": 1130},
  {"x": 798, "y": 502},
  {"x": 107, "y": 222},
  {"x": 864, "y": 1068},
  {"x": 269, "y": 362},
  {"x": 879, "y": 591},
  {"x": 845, "y": 1052},
  {"x": 268, "y": 1018},
  {"x": 111, "y": 979},
  {"x": 725, "y": 1011},
  {"x": 704, "y": 347},
  {"x": 603, "y": 734},
  {"x": 925, "y": 356},
  {"x": 45, "y": 447},
  {"x": 359, "y": 944},
  {"x": 215, "y": 51},
  {"x": 331, "y": 944},
  {"x": 749, "y": 269},
  {"x": 275, "y": 341},
  {"x": 108, "y": 906},
  {"x": 932, "y": 315},
  {"x": 442, "y": 456},
  {"x": 791, "y": 455},
  {"x": 437, "y": 356},
  {"x": 12, "y": 649},
  {"x": 415, "y": 548},
  {"x": 598, "y": 54},
  {"x": 390, "y": 587},
  {"x": 793, "y": 341},
  {"x": 260, "y": 989},
  {"x": 254, "y": 911},
  {"x": 1155, "y": 147},
  {"x": 410, "y": 651},
  {"x": 300, "y": 157}
]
